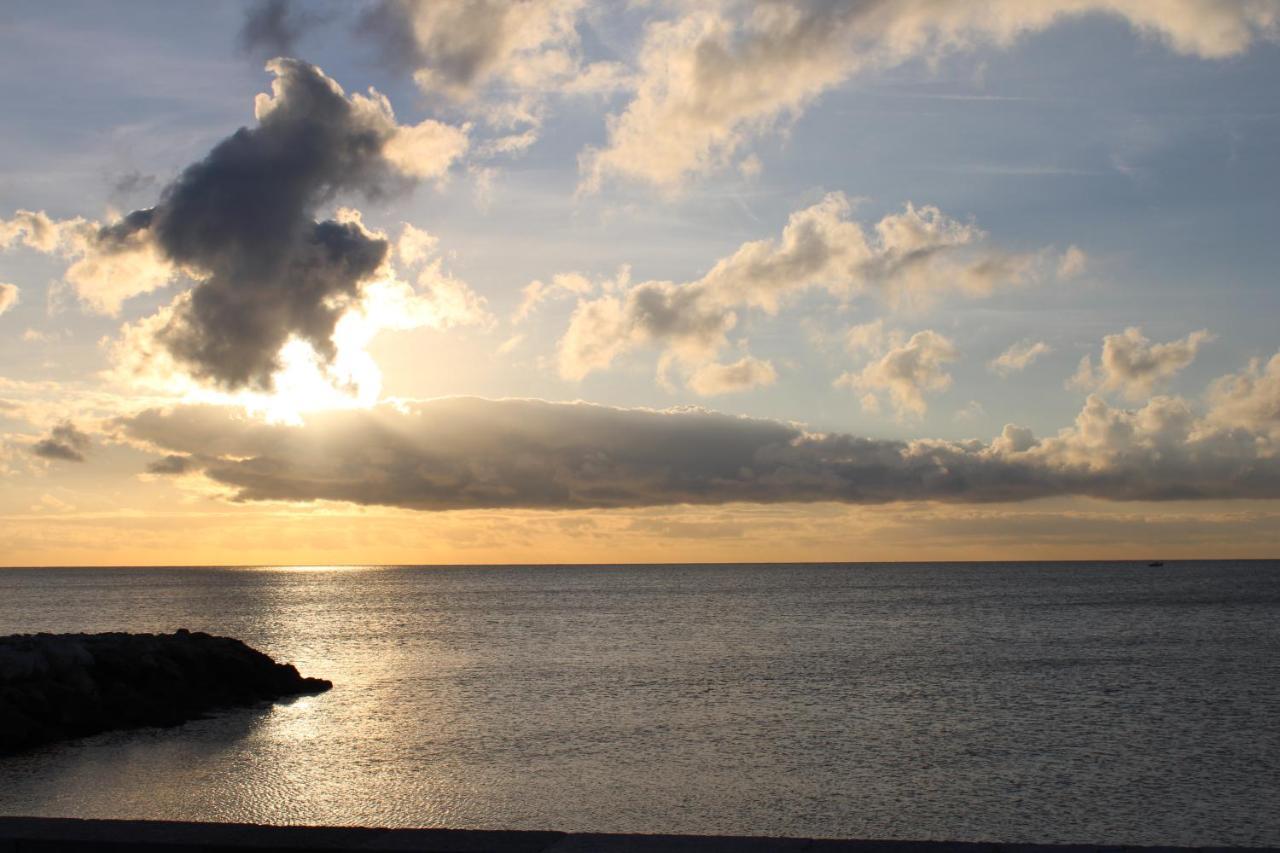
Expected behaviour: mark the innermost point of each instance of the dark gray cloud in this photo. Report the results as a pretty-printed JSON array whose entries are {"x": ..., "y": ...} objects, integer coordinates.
[
  {"x": 465, "y": 453},
  {"x": 273, "y": 27},
  {"x": 458, "y": 46},
  {"x": 245, "y": 214},
  {"x": 173, "y": 464},
  {"x": 64, "y": 443},
  {"x": 241, "y": 221},
  {"x": 132, "y": 183},
  {"x": 389, "y": 25}
]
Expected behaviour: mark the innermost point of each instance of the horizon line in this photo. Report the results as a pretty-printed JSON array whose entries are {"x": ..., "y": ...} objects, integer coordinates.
[{"x": 323, "y": 566}]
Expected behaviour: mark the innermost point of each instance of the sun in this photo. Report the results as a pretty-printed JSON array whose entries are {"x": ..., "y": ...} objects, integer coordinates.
[{"x": 305, "y": 383}]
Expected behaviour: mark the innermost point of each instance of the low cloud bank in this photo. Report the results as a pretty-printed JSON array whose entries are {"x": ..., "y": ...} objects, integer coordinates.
[{"x": 467, "y": 453}]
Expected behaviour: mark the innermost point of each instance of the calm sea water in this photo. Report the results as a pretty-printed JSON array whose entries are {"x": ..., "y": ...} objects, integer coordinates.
[{"x": 1038, "y": 702}]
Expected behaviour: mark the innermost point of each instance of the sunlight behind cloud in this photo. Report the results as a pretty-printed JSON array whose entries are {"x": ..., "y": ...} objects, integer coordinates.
[{"x": 303, "y": 385}]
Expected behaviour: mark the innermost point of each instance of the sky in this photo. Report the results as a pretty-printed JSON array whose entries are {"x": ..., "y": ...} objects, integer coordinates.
[{"x": 555, "y": 281}]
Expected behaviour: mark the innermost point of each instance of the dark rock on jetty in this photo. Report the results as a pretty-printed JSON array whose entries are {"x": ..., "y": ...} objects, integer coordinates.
[{"x": 59, "y": 686}]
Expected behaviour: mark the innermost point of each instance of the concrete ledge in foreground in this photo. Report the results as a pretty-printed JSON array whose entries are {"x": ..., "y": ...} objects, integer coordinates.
[{"x": 62, "y": 835}]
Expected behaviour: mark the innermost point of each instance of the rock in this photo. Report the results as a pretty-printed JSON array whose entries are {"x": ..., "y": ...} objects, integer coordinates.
[{"x": 59, "y": 686}]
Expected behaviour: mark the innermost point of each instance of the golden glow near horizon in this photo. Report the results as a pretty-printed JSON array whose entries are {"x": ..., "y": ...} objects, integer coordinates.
[
  {"x": 599, "y": 299},
  {"x": 209, "y": 534}
]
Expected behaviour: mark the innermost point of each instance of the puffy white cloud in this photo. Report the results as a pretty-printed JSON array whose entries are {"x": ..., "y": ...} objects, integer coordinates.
[
  {"x": 1013, "y": 439},
  {"x": 1132, "y": 364},
  {"x": 498, "y": 59},
  {"x": 720, "y": 73},
  {"x": 1103, "y": 436},
  {"x": 912, "y": 256},
  {"x": 108, "y": 264},
  {"x": 1018, "y": 356},
  {"x": 458, "y": 453},
  {"x": 415, "y": 245},
  {"x": 866, "y": 337},
  {"x": 562, "y": 284},
  {"x": 1072, "y": 263},
  {"x": 35, "y": 230},
  {"x": 906, "y": 371},
  {"x": 1249, "y": 400},
  {"x": 8, "y": 296},
  {"x": 599, "y": 331},
  {"x": 109, "y": 271},
  {"x": 426, "y": 149},
  {"x": 439, "y": 300},
  {"x": 742, "y": 375}
]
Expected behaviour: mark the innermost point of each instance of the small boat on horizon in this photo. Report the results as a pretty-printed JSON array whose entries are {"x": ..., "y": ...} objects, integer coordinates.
[{"x": 1155, "y": 564}]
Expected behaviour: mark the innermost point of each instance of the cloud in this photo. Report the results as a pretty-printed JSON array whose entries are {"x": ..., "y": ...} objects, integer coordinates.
[
  {"x": 1131, "y": 364},
  {"x": 306, "y": 381},
  {"x": 712, "y": 79},
  {"x": 1073, "y": 263},
  {"x": 33, "y": 229},
  {"x": 1248, "y": 401},
  {"x": 510, "y": 345},
  {"x": 131, "y": 183},
  {"x": 439, "y": 301},
  {"x": 467, "y": 453},
  {"x": 108, "y": 263},
  {"x": 172, "y": 465},
  {"x": 1018, "y": 356},
  {"x": 906, "y": 371},
  {"x": 8, "y": 296},
  {"x": 498, "y": 59},
  {"x": 415, "y": 245},
  {"x": 866, "y": 337},
  {"x": 241, "y": 224},
  {"x": 971, "y": 411},
  {"x": 562, "y": 284},
  {"x": 456, "y": 48},
  {"x": 273, "y": 27},
  {"x": 908, "y": 257},
  {"x": 1165, "y": 450},
  {"x": 742, "y": 375},
  {"x": 64, "y": 443}
]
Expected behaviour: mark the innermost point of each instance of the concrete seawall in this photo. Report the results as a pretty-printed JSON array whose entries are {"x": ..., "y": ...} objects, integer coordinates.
[{"x": 62, "y": 835}]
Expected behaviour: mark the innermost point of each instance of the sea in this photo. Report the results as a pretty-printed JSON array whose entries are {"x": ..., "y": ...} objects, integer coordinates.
[{"x": 1039, "y": 702}]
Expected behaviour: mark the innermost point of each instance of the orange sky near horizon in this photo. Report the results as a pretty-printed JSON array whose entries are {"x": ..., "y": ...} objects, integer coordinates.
[{"x": 336, "y": 534}]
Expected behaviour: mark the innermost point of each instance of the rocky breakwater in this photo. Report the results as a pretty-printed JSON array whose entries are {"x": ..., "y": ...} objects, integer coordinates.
[{"x": 59, "y": 686}]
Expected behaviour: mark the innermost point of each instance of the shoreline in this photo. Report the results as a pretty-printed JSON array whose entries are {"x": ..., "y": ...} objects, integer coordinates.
[{"x": 20, "y": 834}]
